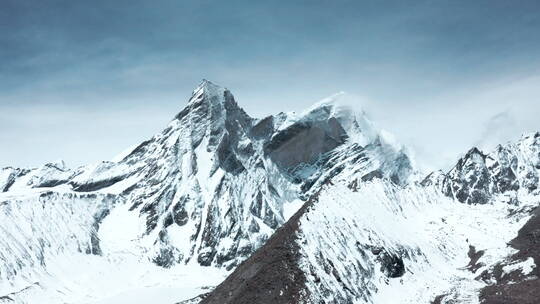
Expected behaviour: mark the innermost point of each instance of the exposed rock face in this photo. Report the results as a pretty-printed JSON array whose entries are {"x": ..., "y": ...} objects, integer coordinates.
[
  {"x": 49, "y": 175},
  {"x": 305, "y": 141},
  {"x": 271, "y": 275},
  {"x": 469, "y": 181},
  {"x": 8, "y": 177}
]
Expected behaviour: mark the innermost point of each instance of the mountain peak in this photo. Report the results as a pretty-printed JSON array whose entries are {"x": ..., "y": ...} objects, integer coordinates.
[
  {"x": 208, "y": 85},
  {"x": 215, "y": 185},
  {"x": 213, "y": 102},
  {"x": 207, "y": 91},
  {"x": 474, "y": 151}
]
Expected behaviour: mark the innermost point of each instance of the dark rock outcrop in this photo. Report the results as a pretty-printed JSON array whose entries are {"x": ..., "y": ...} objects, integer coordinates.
[
  {"x": 515, "y": 287},
  {"x": 270, "y": 276},
  {"x": 304, "y": 142}
]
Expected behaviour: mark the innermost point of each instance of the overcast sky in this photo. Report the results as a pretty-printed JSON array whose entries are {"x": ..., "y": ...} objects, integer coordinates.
[{"x": 83, "y": 80}]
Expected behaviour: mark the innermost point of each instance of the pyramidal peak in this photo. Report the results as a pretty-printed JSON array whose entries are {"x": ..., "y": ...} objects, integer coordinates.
[
  {"x": 207, "y": 96},
  {"x": 214, "y": 103},
  {"x": 206, "y": 90}
]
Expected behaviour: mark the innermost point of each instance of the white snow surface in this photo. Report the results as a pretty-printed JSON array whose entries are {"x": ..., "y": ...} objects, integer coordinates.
[
  {"x": 526, "y": 266},
  {"x": 47, "y": 261},
  {"x": 430, "y": 231}
]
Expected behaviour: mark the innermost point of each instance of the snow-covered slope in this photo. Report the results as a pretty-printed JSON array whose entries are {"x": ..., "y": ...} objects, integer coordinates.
[
  {"x": 37, "y": 224},
  {"x": 361, "y": 239}
]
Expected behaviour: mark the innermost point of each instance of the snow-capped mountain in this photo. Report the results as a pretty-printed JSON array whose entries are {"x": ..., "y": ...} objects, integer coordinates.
[
  {"x": 365, "y": 240},
  {"x": 206, "y": 191},
  {"x": 311, "y": 207},
  {"x": 511, "y": 167}
]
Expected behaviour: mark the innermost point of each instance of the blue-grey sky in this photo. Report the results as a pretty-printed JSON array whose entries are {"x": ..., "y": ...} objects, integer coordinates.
[{"x": 83, "y": 80}]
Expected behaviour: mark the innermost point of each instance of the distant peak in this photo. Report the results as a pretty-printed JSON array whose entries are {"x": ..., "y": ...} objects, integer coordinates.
[
  {"x": 58, "y": 164},
  {"x": 530, "y": 136},
  {"x": 473, "y": 155},
  {"x": 474, "y": 151}
]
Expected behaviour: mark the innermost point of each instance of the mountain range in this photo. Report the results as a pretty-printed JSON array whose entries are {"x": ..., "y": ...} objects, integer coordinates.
[{"x": 311, "y": 207}]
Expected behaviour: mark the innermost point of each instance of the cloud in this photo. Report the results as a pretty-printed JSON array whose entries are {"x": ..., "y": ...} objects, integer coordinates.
[{"x": 498, "y": 129}]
